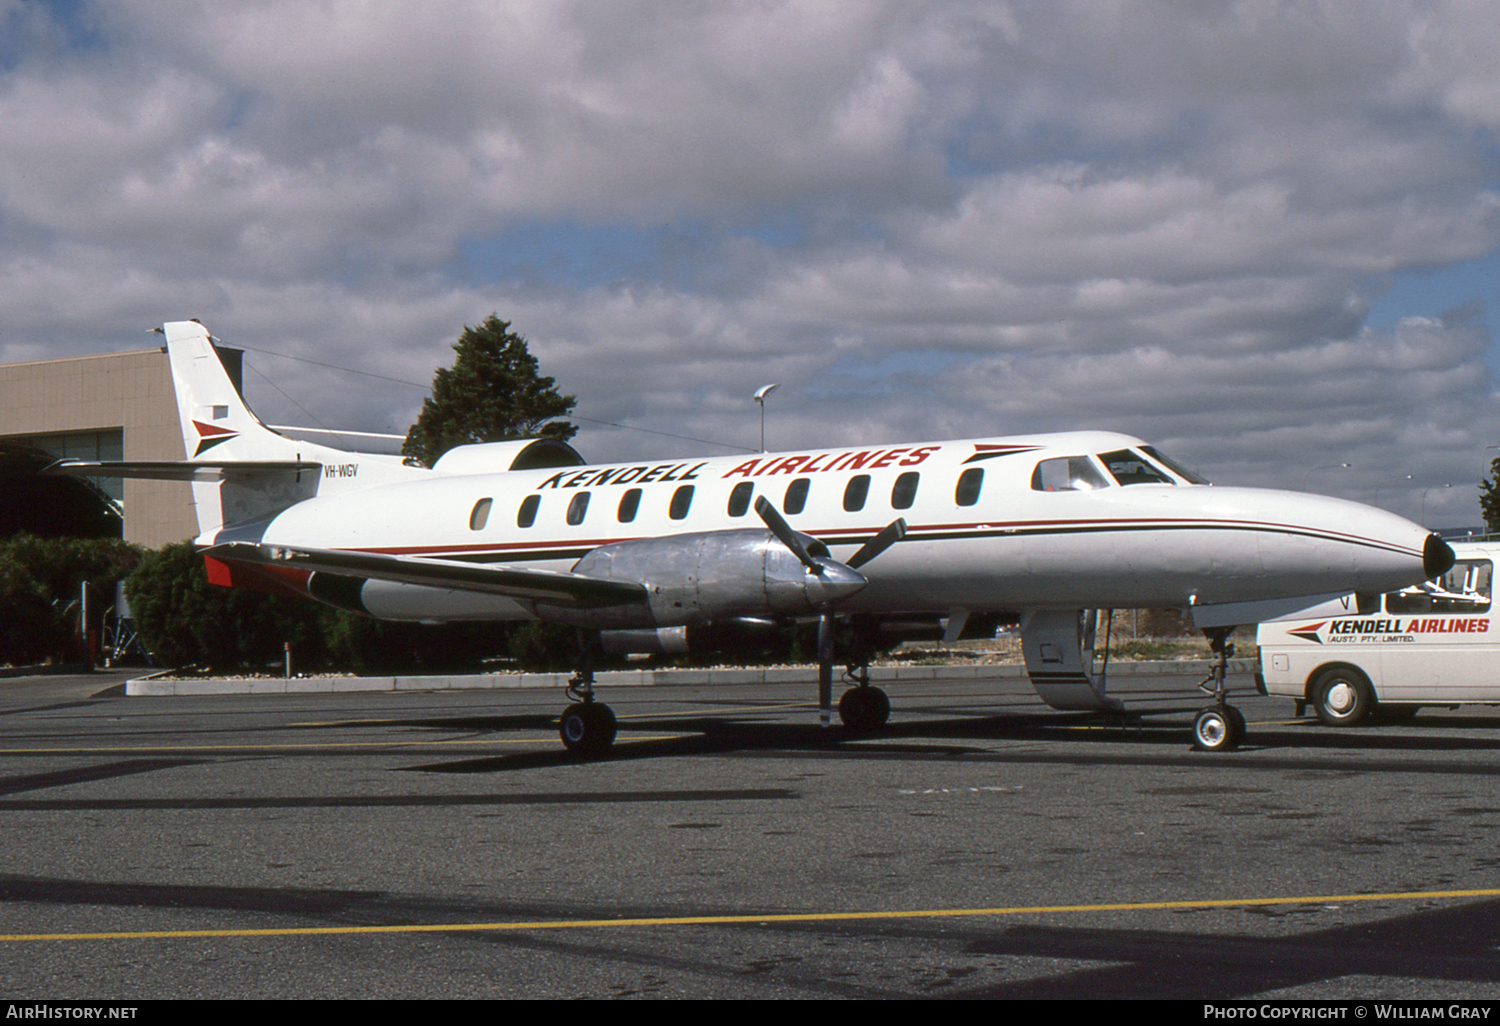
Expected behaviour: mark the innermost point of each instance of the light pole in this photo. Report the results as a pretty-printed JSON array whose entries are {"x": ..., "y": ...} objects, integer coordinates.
[
  {"x": 1329, "y": 466},
  {"x": 760, "y": 400},
  {"x": 1429, "y": 488},
  {"x": 1377, "y": 490}
]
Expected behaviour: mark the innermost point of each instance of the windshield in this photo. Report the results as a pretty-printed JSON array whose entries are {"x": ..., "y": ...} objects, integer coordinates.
[
  {"x": 1130, "y": 468},
  {"x": 1172, "y": 465}
]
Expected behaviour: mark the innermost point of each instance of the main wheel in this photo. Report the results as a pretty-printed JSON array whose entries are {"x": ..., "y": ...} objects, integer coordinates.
[
  {"x": 864, "y": 708},
  {"x": 587, "y": 727},
  {"x": 1342, "y": 697},
  {"x": 1218, "y": 729}
]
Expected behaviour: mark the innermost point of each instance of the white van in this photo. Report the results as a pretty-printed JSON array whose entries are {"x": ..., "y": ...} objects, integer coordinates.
[{"x": 1431, "y": 644}]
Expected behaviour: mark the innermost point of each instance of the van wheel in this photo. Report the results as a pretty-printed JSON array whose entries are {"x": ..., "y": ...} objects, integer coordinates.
[{"x": 1342, "y": 697}]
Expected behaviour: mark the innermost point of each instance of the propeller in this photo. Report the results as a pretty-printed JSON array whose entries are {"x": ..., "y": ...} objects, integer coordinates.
[
  {"x": 837, "y": 576},
  {"x": 889, "y": 535}
]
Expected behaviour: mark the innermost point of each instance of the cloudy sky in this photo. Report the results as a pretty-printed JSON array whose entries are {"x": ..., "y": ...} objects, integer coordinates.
[{"x": 1264, "y": 234}]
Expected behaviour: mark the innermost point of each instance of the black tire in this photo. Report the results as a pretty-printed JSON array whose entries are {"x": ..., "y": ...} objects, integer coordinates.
[
  {"x": 587, "y": 727},
  {"x": 1238, "y": 720},
  {"x": 1218, "y": 729},
  {"x": 864, "y": 708},
  {"x": 1342, "y": 697}
]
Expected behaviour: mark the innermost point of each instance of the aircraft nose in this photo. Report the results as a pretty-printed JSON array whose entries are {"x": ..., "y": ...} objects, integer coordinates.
[{"x": 1437, "y": 556}]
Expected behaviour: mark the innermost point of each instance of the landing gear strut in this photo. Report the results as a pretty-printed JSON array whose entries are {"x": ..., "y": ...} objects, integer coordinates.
[
  {"x": 1220, "y": 727},
  {"x": 586, "y": 726}
]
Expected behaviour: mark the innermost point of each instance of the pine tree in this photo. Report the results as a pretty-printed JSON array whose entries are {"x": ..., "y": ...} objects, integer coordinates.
[
  {"x": 492, "y": 393},
  {"x": 1489, "y": 498}
]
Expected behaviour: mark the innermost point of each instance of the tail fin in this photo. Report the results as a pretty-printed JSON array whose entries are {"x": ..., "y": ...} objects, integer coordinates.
[
  {"x": 242, "y": 472},
  {"x": 218, "y": 428},
  {"x": 216, "y": 423}
]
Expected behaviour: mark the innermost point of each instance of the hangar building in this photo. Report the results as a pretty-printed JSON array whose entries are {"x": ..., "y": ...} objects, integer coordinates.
[{"x": 109, "y": 407}]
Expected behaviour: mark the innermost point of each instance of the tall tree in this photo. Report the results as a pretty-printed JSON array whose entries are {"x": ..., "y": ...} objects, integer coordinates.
[
  {"x": 1489, "y": 498},
  {"x": 493, "y": 393}
]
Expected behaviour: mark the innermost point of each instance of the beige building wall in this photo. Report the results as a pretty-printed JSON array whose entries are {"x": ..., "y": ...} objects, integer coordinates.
[{"x": 131, "y": 392}]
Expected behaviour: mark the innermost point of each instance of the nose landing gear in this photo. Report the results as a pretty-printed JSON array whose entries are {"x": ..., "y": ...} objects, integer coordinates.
[{"x": 1220, "y": 727}]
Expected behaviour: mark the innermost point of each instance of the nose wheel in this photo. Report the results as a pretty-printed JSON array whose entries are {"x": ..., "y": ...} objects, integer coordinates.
[{"x": 1220, "y": 727}]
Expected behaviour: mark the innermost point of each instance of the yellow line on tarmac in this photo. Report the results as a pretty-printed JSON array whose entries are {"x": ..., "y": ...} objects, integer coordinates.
[{"x": 757, "y": 920}]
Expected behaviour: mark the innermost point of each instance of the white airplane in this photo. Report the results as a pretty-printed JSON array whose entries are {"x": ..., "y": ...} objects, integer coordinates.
[{"x": 673, "y": 555}]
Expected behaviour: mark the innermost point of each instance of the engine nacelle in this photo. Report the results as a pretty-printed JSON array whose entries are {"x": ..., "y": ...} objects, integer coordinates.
[
  {"x": 715, "y": 575},
  {"x": 722, "y": 636}
]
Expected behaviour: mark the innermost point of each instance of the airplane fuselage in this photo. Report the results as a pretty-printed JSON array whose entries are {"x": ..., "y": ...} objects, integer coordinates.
[{"x": 994, "y": 523}]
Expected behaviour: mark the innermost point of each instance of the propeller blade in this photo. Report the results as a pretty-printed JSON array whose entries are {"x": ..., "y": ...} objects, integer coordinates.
[
  {"x": 888, "y": 536},
  {"x": 784, "y": 533}
]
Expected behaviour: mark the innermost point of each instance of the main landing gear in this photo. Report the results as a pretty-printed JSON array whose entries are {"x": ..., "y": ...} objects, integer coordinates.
[
  {"x": 864, "y": 707},
  {"x": 586, "y": 726},
  {"x": 1220, "y": 727}
]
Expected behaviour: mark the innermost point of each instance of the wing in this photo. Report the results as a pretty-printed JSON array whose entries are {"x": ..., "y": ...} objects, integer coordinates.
[{"x": 553, "y": 587}]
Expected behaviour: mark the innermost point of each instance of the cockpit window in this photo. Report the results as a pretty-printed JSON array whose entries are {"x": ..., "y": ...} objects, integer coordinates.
[
  {"x": 1067, "y": 474},
  {"x": 1130, "y": 468},
  {"x": 1172, "y": 465}
]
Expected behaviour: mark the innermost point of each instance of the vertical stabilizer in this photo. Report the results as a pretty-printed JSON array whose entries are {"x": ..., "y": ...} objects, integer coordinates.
[
  {"x": 217, "y": 426},
  {"x": 250, "y": 472}
]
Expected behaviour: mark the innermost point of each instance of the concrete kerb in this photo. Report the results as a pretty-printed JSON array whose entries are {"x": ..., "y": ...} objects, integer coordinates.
[{"x": 161, "y": 685}]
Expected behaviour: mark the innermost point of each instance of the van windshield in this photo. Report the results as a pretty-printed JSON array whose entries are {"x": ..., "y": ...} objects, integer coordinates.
[{"x": 1463, "y": 589}]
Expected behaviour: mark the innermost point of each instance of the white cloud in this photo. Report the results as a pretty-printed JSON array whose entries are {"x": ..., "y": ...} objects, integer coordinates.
[{"x": 934, "y": 219}]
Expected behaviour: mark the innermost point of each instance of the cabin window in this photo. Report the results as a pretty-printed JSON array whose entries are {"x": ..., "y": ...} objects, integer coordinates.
[
  {"x": 526, "y": 515},
  {"x": 796, "y": 496},
  {"x": 739, "y": 499},
  {"x": 577, "y": 508},
  {"x": 480, "y": 515},
  {"x": 630, "y": 504},
  {"x": 1067, "y": 474},
  {"x": 969, "y": 484},
  {"x": 1129, "y": 468},
  {"x": 904, "y": 492},
  {"x": 682, "y": 500},
  {"x": 855, "y": 493}
]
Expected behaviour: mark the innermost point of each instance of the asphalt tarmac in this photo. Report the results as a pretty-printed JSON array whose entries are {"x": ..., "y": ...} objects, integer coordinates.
[{"x": 444, "y": 845}]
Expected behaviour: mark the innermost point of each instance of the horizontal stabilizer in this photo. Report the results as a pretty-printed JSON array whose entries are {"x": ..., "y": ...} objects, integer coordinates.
[
  {"x": 178, "y": 470},
  {"x": 551, "y": 587}
]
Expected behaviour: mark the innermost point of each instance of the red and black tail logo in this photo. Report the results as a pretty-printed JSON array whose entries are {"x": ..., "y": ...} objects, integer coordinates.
[{"x": 210, "y": 436}]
